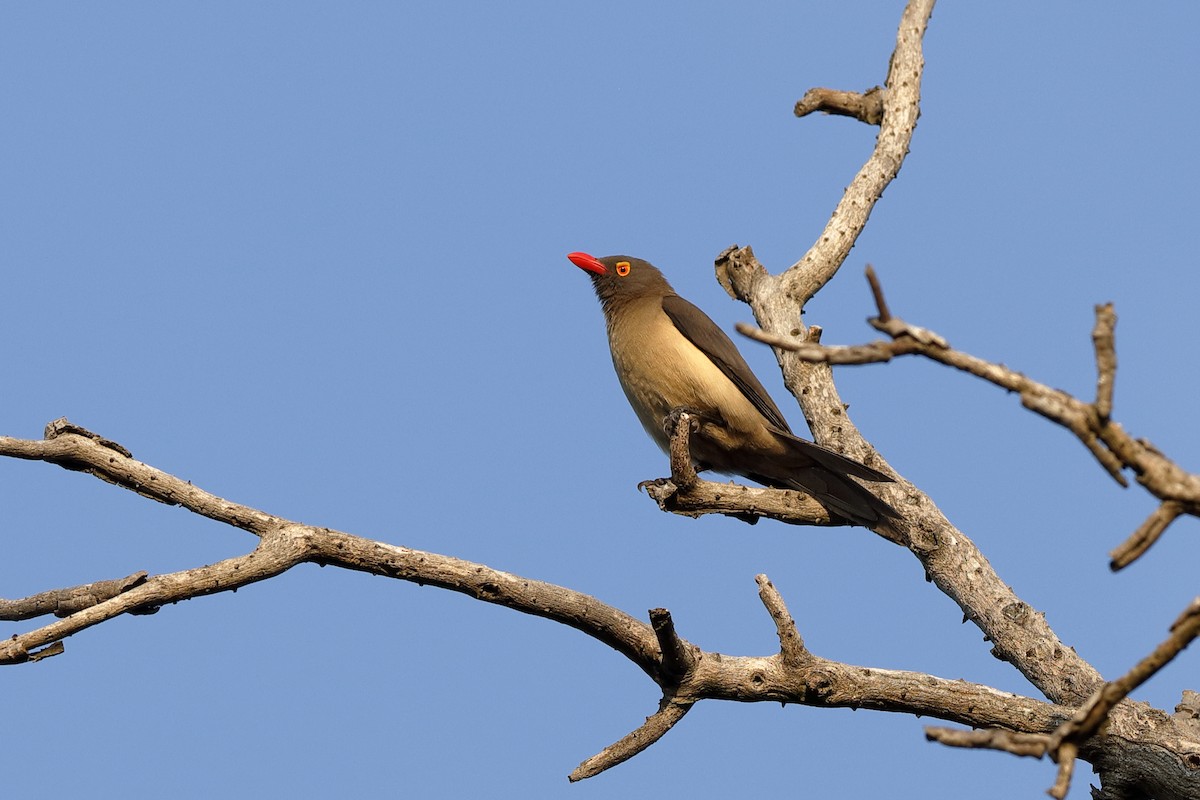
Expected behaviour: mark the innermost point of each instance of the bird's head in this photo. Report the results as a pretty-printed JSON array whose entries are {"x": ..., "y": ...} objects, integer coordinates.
[{"x": 621, "y": 278}]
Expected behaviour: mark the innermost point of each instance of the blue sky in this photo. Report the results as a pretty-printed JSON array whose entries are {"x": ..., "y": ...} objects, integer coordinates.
[{"x": 312, "y": 258}]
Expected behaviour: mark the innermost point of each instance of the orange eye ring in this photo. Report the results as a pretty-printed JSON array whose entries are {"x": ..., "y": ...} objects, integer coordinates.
[{"x": 622, "y": 268}]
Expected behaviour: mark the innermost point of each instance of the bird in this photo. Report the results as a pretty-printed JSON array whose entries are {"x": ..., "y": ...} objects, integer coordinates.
[{"x": 670, "y": 357}]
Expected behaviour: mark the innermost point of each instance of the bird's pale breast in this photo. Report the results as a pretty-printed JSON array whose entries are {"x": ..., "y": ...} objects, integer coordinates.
[{"x": 661, "y": 370}]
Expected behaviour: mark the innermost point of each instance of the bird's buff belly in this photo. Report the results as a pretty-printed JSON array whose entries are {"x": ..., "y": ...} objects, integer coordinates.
[{"x": 663, "y": 383}]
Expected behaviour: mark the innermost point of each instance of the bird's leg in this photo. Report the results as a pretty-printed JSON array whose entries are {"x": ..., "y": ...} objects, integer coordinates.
[
  {"x": 684, "y": 465},
  {"x": 698, "y": 420},
  {"x": 671, "y": 420}
]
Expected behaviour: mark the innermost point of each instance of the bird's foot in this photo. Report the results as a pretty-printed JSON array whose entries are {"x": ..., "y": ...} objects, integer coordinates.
[{"x": 671, "y": 420}]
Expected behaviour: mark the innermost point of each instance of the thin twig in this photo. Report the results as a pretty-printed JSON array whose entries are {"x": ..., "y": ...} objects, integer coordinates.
[
  {"x": 883, "y": 315},
  {"x": 1063, "y": 742},
  {"x": 74, "y": 448},
  {"x": 1021, "y": 744},
  {"x": 1145, "y": 536},
  {"x": 635, "y": 742},
  {"x": 1088, "y": 719},
  {"x": 1065, "y": 758},
  {"x": 267, "y": 561},
  {"x": 791, "y": 643},
  {"x": 1113, "y": 448},
  {"x": 1103, "y": 339}
]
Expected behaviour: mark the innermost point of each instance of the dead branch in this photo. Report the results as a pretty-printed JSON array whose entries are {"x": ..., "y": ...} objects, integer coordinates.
[
  {"x": 1113, "y": 448},
  {"x": 625, "y": 748},
  {"x": 1145, "y": 536},
  {"x": 951, "y": 560},
  {"x": 685, "y": 673},
  {"x": 1104, "y": 343},
  {"x": 863, "y": 106},
  {"x": 1093, "y": 713},
  {"x": 64, "y": 602},
  {"x": 1065, "y": 742},
  {"x": 791, "y": 643}
]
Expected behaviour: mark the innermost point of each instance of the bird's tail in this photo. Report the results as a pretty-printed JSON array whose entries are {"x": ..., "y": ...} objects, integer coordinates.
[{"x": 824, "y": 474}]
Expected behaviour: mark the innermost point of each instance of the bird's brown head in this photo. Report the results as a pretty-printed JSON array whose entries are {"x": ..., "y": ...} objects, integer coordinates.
[{"x": 619, "y": 279}]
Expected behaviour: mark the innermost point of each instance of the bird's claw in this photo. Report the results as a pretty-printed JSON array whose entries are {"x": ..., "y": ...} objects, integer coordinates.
[{"x": 671, "y": 420}]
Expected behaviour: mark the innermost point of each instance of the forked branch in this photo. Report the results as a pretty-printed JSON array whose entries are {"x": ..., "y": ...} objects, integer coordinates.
[
  {"x": 1113, "y": 448},
  {"x": 1064, "y": 743},
  {"x": 683, "y": 672}
]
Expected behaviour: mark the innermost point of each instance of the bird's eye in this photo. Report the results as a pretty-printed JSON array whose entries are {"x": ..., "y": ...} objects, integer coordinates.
[{"x": 622, "y": 268}]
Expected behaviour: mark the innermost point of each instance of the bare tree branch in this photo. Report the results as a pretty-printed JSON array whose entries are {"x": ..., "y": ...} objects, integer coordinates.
[
  {"x": 1145, "y": 536},
  {"x": 677, "y": 657},
  {"x": 628, "y": 746},
  {"x": 1065, "y": 741},
  {"x": 864, "y": 106},
  {"x": 951, "y": 560},
  {"x": 685, "y": 674},
  {"x": 72, "y": 447},
  {"x": 1106, "y": 359},
  {"x": 1019, "y": 744},
  {"x": 1112, "y": 447},
  {"x": 1158, "y": 754},
  {"x": 1092, "y": 714},
  {"x": 791, "y": 643},
  {"x": 64, "y": 602}
]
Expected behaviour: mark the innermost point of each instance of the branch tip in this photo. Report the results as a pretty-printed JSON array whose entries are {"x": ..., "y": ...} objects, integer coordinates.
[
  {"x": 677, "y": 657},
  {"x": 1145, "y": 536},
  {"x": 1103, "y": 340},
  {"x": 863, "y": 106},
  {"x": 653, "y": 729},
  {"x": 877, "y": 293},
  {"x": 791, "y": 643}
]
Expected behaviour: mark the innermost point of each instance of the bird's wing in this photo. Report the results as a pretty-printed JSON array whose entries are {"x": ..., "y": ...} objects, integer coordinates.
[
  {"x": 832, "y": 460},
  {"x": 709, "y": 339}
]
